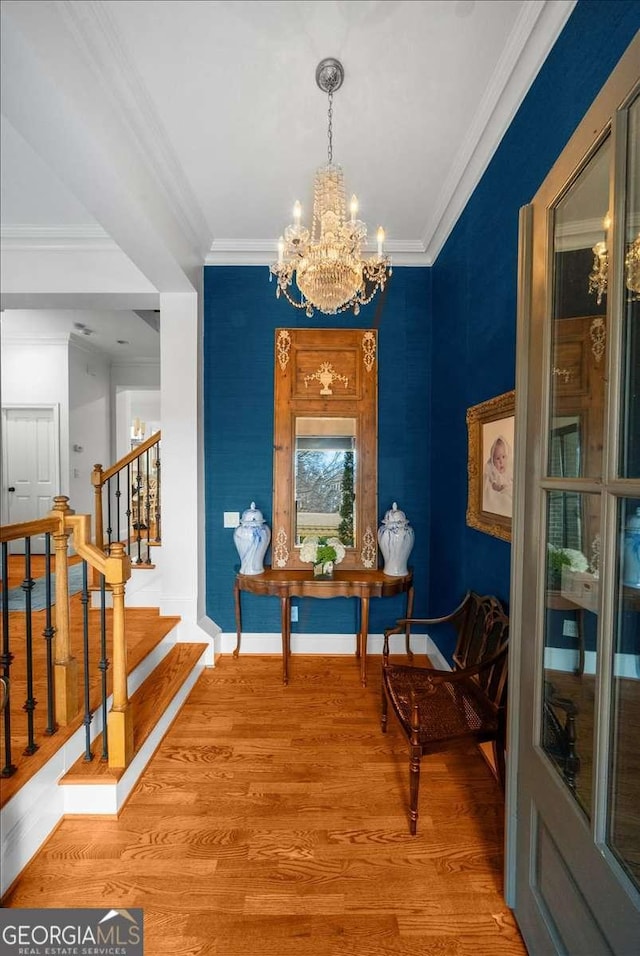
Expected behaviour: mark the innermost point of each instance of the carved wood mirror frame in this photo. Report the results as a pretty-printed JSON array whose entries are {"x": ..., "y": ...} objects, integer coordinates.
[{"x": 325, "y": 373}]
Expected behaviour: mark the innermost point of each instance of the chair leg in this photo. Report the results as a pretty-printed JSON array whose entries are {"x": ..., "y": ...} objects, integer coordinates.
[
  {"x": 414, "y": 788},
  {"x": 498, "y": 756},
  {"x": 385, "y": 710},
  {"x": 415, "y": 753}
]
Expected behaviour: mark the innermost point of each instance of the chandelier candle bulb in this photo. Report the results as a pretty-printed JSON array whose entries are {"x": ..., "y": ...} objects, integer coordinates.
[
  {"x": 297, "y": 212},
  {"x": 380, "y": 240},
  {"x": 354, "y": 208}
]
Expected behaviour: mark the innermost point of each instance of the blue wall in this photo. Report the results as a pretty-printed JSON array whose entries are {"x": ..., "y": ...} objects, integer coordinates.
[
  {"x": 475, "y": 286},
  {"x": 447, "y": 341},
  {"x": 240, "y": 315}
]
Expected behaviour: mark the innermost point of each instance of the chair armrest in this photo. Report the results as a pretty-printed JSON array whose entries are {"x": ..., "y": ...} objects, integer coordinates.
[{"x": 404, "y": 624}]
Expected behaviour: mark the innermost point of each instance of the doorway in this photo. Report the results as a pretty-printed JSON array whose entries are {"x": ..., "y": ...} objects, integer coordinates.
[{"x": 31, "y": 465}]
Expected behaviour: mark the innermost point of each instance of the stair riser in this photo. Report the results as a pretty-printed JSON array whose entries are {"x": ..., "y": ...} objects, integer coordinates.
[{"x": 109, "y": 798}]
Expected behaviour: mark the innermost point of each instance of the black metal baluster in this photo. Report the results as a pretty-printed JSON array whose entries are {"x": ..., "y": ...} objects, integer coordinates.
[
  {"x": 109, "y": 525},
  {"x": 157, "y": 467},
  {"x": 104, "y": 664},
  {"x": 118, "y": 494},
  {"x": 147, "y": 507},
  {"x": 128, "y": 511},
  {"x": 88, "y": 715},
  {"x": 5, "y": 660},
  {"x": 48, "y": 634},
  {"x": 30, "y": 702},
  {"x": 138, "y": 514}
]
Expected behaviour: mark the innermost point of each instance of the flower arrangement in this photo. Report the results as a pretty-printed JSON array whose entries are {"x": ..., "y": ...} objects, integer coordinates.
[
  {"x": 559, "y": 558},
  {"x": 322, "y": 552}
]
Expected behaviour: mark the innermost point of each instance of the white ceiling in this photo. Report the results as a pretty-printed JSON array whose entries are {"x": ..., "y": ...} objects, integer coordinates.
[{"x": 174, "y": 133}]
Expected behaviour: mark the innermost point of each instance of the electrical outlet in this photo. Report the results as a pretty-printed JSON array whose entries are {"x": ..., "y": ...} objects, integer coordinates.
[
  {"x": 231, "y": 519},
  {"x": 570, "y": 628},
  {"x": 294, "y": 614}
]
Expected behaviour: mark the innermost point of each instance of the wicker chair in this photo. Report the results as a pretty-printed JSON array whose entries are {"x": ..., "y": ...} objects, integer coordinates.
[{"x": 439, "y": 709}]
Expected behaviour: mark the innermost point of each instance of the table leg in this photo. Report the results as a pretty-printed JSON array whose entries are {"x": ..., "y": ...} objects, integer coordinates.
[
  {"x": 285, "y": 628},
  {"x": 408, "y": 626},
  {"x": 236, "y": 598},
  {"x": 362, "y": 638},
  {"x": 580, "y": 629}
]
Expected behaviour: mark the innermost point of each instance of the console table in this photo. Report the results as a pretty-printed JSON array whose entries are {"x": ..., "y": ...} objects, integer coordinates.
[{"x": 298, "y": 583}]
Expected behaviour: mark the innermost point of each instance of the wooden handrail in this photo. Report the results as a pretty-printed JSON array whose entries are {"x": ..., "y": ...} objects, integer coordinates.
[
  {"x": 26, "y": 529},
  {"x": 99, "y": 477}
]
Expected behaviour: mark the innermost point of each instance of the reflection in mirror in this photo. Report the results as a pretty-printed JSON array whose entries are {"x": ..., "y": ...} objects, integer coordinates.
[
  {"x": 630, "y": 399},
  {"x": 565, "y": 520},
  {"x": 571, "y": 641},
  {"x": 324, "y": 478},
  {"x": 579, "y": 334}
]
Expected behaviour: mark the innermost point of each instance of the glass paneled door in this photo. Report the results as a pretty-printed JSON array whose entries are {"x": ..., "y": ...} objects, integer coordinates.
[{"x": 575, "y": 849}]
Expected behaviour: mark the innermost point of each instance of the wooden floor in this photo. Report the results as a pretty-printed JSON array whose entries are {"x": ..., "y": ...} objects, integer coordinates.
[{"x": 272, "y": 821}]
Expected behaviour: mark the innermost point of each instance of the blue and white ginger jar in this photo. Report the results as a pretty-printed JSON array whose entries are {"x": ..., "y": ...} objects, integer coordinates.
[
  {"x": 395, "y": 538},
  {"x": 251, "y": 539},
  {"x": 631, "y": 554}
]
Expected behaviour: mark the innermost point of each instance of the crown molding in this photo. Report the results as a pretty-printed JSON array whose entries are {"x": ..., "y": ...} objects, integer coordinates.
[
  {"x": 239, "y": 252},
  {"x": 35, "y": 341},
  {"x": 96, "y": 33},
  {"x": 56, "y": 237},
  {"x": 536, "y": 30}
]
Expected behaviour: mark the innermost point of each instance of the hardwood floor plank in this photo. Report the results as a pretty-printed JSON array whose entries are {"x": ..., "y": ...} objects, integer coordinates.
[{"x": 273, "y": 821}]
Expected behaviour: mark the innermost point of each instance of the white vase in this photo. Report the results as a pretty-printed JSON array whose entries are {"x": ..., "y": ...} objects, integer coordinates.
[
  {"x": 631, "y": 554},
  {"x": 251, "y": 539},
  {"x": 395, "y": 538}
]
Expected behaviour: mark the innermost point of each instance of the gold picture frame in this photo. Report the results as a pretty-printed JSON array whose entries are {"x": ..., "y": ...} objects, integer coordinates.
[{"x": 491, "y": 433}]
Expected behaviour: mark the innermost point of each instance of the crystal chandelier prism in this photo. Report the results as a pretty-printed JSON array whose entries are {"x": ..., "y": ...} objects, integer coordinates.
[{"x": 327, "y": 264}]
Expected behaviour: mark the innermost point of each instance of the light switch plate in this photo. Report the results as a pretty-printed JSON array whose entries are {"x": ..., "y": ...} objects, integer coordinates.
[{"x": 231, "y": 519}]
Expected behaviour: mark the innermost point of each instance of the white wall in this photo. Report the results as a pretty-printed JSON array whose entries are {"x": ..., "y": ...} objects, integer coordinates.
[{"x": 89, "y": 422}]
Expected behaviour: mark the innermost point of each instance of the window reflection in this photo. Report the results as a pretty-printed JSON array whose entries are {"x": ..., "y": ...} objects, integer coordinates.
[
  {"x": 325, "y": 471},
  {"x": 571, "y": 643},
  {"x": 624, "y": 814}
]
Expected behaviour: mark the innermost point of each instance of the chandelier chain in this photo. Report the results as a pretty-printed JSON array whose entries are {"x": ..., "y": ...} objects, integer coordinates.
[{"x": 330, "y": 128}]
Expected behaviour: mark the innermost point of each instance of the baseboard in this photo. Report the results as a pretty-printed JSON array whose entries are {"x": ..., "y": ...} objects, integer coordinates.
[{"x": 329, "y": 644}]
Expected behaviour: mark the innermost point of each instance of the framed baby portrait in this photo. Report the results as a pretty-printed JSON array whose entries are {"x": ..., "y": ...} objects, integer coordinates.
[{"x": 490, "y": 427}]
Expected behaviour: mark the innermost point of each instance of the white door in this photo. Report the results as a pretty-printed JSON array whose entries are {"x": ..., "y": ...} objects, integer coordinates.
[
  {"x": 574, "y": 785},
  {"x": 31, "y": 466}
]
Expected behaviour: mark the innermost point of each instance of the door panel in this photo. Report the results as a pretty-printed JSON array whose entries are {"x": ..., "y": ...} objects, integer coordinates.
[
  {"x": 576, "y": 685},
  {"x": 31, "y": 466}
]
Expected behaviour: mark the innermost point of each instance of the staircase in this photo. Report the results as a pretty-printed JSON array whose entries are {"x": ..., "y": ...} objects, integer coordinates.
[
  {"x": 54, "y": 762},
  {"x": 57, "y": 780}
]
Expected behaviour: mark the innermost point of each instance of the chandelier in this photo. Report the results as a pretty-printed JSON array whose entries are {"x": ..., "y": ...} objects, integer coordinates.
[
  {"x": 599, "y": 275},
  {"x": 327, "y": 264}
]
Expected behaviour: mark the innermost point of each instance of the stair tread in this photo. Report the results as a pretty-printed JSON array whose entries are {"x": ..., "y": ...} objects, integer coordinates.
[
  {"x": 148, "y": 704},
  {"x": 145, "y": 628}
]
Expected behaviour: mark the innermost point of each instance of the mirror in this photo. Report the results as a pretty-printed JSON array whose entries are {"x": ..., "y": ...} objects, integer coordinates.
[
  {"x": 325, "y": 446},
  {"x": 325, "y": 470}
]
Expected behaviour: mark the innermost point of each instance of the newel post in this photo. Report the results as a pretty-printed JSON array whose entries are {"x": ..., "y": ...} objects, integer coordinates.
[
  {"x": 65, "y": 666},
  {"x": 96, "y": 481},
  {"x": 120, "y": 718}
]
